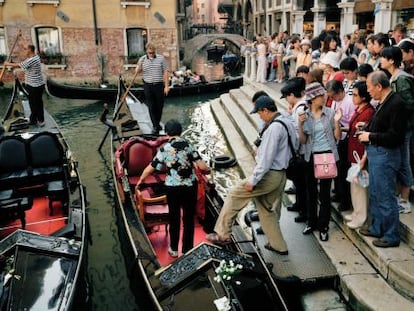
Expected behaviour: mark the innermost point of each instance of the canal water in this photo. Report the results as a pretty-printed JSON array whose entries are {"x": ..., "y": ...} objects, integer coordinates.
[{"x": 78, "y": 120}]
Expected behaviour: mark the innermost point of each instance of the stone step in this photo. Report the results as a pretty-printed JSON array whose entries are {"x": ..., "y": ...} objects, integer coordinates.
[
  {"x": 247, "y": 106},
  {"x": 370, "y": 278},
  {"x": 235, "y": 143},
  {"x": 396, "y": 265},
  {"x": 240, "y": 120},
  {"x": 407, "y": 227},
  {"x": 273, "y": 89}
]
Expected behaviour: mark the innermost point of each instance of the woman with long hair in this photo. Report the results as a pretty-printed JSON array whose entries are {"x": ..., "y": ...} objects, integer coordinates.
[
  {"x": 261, "y": 61},
  {"x": 330, "y": 44}
]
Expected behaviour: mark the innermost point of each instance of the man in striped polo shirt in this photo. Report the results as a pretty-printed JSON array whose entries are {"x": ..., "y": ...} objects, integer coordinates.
[
  {"x": 156, "y": 83},
  {"x": 34, "y": 84}
]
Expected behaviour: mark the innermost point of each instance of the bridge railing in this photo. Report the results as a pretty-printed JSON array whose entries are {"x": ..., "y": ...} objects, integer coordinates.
[{"x": 250, "y": 64}]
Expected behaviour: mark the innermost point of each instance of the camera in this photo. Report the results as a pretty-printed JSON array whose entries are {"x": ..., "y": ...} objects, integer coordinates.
[
  {"x": 257, "y": 142},
  {"x": 360, "y": 128}
]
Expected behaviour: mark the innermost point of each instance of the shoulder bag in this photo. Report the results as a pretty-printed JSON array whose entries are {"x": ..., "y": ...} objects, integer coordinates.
[
  {"x": 296, "y": 162},
  {"x": 324, "y": 165}
]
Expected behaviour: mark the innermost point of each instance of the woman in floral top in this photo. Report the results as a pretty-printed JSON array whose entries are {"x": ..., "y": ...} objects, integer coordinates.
[{"x": 178, "y": 156}]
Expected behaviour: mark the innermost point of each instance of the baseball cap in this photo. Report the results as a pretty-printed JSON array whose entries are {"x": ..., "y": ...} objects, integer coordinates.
[{"x": 264, "y": 102}]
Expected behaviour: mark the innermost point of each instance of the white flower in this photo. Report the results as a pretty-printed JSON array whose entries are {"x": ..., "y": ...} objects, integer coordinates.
[{"x": 225, "y": 271}]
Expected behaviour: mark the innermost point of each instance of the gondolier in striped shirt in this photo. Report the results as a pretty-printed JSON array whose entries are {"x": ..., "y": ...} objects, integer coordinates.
[
  {"x": 156, "y": 83},
  {"x": 34, "y": 83}
]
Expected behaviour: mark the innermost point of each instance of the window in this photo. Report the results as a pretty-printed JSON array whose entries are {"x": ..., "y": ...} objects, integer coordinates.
[
  {"x": 136, "y": 39},
  {"x": 48, "y": 44},
  {"x": 144, "y": 3},
  {"x": 3, "y": 46},
  {"x": 32, "y": 2}
]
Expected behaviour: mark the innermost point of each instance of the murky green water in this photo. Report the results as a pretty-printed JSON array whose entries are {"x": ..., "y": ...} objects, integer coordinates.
[{"x": 78, "y": 120}]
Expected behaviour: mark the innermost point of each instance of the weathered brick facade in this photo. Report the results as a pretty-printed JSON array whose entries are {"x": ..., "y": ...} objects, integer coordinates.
[{"x": 87, "y": 62}]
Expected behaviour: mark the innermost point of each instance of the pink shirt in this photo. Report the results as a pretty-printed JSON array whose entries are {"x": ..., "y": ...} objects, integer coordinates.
[{"x": 348, "y": 109}]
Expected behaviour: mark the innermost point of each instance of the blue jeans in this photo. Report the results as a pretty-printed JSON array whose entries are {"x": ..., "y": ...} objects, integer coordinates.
[
  {"x": 405, "y": 175},
  {"x": 383, "y": 164}
]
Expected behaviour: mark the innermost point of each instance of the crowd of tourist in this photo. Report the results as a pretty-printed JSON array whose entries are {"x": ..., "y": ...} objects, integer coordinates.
[
  {"x": 280, "y": 55},
  {"x": 351, "y": 103},
  {"x": 353, "y": 98}
]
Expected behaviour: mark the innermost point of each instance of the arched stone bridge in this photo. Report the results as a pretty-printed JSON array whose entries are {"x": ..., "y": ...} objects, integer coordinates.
[{"x": 200, "y": 42}]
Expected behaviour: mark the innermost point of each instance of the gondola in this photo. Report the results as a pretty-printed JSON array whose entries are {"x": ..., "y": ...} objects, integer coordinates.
[
  {"x": 215, "y": 51},
  {"x": 191, "y": 281},
  {"x": 109, "y": 93},
  {"x": 230, "y": 61},
  {"x": 43, "y": 222}
]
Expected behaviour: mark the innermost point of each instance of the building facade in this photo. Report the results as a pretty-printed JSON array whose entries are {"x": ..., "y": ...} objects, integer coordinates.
[
  {"x": 90, "y": 40},
  {"x": 312, "y": 16}
]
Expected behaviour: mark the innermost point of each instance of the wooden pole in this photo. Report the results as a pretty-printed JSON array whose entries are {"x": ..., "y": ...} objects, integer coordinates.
[
  {"x": 121, "y": 102},
  {"x": 9, "y": 57}
]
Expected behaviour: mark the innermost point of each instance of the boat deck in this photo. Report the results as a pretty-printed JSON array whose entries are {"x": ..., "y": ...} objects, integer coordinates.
[
  {"x": 38, "y": 219},
  {"x": 160, "y": 240}
]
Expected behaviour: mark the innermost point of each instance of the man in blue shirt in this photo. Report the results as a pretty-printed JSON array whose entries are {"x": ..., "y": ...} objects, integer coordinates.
[{"x": 266, "y": 183}]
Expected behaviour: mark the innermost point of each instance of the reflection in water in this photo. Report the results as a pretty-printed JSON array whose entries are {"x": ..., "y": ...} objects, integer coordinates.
[{"x": 78, "y": 119}]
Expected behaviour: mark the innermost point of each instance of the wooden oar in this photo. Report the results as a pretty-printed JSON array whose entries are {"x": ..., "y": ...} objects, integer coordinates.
[
  {"x": 9, "y": 57},
  {"x": 121, "y": 102}
]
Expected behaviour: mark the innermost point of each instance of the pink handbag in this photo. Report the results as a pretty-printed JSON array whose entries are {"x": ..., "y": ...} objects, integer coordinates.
[{"x": 324, "y": 166}]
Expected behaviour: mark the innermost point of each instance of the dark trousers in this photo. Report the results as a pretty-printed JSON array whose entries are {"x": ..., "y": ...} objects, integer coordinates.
[
  {"x": 154, "y": 98},
  {"x": 301, "y": 193},
  {"x": 36, "y": 103},
  {"x": 318, "y": 220},
  {"x": 186, "y": 198},
  {"x": 342, "y": 187}
]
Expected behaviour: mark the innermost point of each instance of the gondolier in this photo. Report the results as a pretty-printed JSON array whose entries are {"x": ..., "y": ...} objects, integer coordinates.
[
  {"x": 155, "y": 75},
  {"x": 34, "y": 83}
]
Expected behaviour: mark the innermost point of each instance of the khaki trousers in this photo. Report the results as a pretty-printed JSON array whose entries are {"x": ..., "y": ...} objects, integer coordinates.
[{"x": 267, "y": 197}]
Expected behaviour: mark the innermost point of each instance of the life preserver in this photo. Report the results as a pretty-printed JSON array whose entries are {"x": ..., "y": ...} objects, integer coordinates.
[{"x": 223, "y": 161}]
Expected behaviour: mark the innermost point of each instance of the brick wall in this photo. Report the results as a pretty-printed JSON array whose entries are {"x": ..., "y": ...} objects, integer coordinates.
[{"x": 84, "y": 58}]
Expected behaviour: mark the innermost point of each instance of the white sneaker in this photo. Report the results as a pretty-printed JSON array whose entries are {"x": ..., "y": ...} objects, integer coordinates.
[
  {"x": 353, "y": 225},
  {"x": 348, "y": 217},
  {"x": 41, "y": 124},
  {"x": 172, "y": 253},
  {"x": 405, "y": 207}
]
